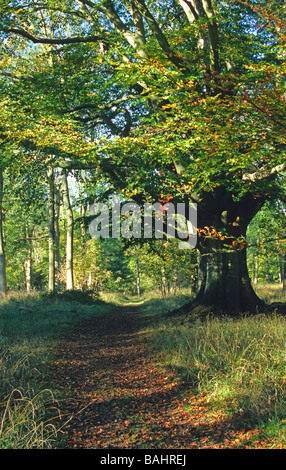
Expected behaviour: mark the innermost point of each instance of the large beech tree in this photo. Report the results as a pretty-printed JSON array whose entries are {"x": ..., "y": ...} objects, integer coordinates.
[{"x": 184, "y": 101}]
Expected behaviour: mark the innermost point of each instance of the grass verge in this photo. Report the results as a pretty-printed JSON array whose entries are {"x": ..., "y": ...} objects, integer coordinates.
[
  {"x": 30, "y": 326},
  {"x": 236, "y": 365}
]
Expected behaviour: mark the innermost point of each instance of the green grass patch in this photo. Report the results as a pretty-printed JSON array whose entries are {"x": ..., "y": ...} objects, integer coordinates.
[
  {"x": 155, "y": 306},
  {"x": 238, "y": 363},
  {"x": 29, "y": 327},
  {"x": 271, "y": 292}
]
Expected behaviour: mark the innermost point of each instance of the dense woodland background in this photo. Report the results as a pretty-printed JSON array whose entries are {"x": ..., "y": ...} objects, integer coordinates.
[{"x": 114, "y": 264}]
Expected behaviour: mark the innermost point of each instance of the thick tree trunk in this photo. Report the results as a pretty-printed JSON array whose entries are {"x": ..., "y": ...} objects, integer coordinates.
[{"x": 225, "y": 283}]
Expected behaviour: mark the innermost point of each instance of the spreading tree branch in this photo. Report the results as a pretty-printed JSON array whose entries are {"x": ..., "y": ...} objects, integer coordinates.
[
  {"x": 264, "y": 173},
  {"x": 38, "y": 40}
]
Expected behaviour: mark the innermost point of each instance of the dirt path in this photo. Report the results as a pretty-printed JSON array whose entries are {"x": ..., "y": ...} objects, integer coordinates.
[{"x": 121, "y": 398}]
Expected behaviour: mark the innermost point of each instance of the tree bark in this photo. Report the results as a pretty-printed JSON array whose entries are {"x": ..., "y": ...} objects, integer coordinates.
[
  {"x": 51, "y": 211},
  {"x": 267, "y": 270},
  {"x": 28, "y": 273},
  {"x": 284, "y": 272},
  {"x": 163, "y": 281},
  {"x": 3, "y": 278},
  {"x": 255, "y": 268},
  {"x": 28, "y": 260},
  {"x": 224, "y": 284},
  {"x": 69, "y": 242},
  {"x": 57, "y": 238},
  {"x": 138, "y": 277}
]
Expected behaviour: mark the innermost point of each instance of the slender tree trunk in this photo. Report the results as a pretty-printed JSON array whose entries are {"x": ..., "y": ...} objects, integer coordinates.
[
  {"x": 86, "y": 279},
  {"x": 28, "y": 273},
  {"x": 28, "y": 261},
  {"x": 201, "y": 273},
  {"x": 163, "y": 281},
  {"x": 69, "y": 244},
  {"x": 89, "y": 281},
  {"x": 267, "y": 275},
  {"x": 3, "y": 279},
  {"x": 57, "y": 238},
  {"x": 280, "y": 260},
  {"x": 138, "y": 277},
  {"x": 51, "y": 211},
  {"x": 284, "y": 272},
  {"x": 255, "y": 268}
]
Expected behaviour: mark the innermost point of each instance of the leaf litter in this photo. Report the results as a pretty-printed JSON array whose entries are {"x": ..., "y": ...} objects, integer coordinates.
[{"x": 117, "y": 395}]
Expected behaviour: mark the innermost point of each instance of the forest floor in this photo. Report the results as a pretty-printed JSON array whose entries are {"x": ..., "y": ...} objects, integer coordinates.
[{"x": 121, "y": 397}]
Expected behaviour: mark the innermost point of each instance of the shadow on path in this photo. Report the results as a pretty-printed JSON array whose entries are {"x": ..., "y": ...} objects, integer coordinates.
[{"x": 119, "y": 395}]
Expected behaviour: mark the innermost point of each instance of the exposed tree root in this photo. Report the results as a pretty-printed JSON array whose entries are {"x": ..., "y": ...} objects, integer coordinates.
[{"x": 197, "y": 309}]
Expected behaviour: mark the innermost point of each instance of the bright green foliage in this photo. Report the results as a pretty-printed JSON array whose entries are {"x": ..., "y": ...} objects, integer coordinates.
[
  {"x": 25, "y": 231},
  {"x": 166, "y": 267},
  {"x": 198, "y": 96},
  {"x": 267, "y": 244}
]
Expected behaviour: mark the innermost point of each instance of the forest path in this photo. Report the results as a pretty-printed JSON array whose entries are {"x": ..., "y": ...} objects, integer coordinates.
[{"x": 120, "y": 397}]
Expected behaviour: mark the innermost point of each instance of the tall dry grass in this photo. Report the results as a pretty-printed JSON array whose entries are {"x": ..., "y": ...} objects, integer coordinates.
[
  {"x": 30, "y": 325},
  {"x": 231, "y": 360}
]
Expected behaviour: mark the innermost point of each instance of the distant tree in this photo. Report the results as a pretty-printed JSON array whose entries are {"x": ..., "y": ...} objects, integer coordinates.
[{"x": 267, "y": 244}]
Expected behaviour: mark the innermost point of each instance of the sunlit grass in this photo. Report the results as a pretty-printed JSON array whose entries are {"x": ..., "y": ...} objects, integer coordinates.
[
  {"x": 271, "y": 292},
  {"x": 237, "y": 361},
  {"x": 30, "y": 326},
  {"x": 156, "y": 305},
  {"x": 238, "y": 364},
  {"x": 29, "y": 422}
]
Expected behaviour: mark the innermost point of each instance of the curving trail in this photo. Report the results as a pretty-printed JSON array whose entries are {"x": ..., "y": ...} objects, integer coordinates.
[{"x": 120, "y": 398}]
